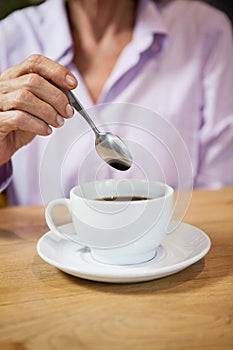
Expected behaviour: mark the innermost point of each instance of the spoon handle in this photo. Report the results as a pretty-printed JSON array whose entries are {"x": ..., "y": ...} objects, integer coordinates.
[{"x": 73, "y": 100}]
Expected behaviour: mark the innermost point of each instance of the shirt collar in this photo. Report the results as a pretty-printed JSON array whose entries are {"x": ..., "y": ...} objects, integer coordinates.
[
  {"x": 59, "y": 46},
  {"x": 149, "y": 26},
  {"x": 55, "y": 28}
]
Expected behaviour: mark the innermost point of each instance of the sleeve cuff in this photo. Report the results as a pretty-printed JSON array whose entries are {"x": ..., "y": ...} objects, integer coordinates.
[{"x": 6, "y": 174}]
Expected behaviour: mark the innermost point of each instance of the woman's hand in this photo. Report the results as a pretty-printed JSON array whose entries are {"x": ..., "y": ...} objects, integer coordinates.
[{"x": 31, "y": 102}]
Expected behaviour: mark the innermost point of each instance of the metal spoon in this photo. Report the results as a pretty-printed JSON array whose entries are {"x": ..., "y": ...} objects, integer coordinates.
[{"x": 109, "y": 146}]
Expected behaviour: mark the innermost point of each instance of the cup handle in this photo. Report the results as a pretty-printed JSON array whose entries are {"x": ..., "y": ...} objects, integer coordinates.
[{"x": 48, "y": 216}]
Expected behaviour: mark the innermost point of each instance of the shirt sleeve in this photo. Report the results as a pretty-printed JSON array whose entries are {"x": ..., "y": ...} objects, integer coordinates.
[
  {"x": 216, "y": 132},
  {"x": 6, "y": 174}
]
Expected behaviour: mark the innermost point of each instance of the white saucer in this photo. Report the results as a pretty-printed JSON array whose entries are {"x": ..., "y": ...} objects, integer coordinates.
[{"x": 182, "y": 248}]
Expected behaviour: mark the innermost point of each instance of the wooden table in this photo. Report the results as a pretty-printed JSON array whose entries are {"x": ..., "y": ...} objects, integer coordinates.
[{"x": 44, "y": 308}]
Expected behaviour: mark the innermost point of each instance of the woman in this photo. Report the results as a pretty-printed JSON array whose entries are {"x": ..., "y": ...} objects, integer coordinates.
[{"x": 175, "y": 59}]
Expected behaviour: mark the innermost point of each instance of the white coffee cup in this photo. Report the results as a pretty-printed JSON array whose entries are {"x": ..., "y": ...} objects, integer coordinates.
[{"x": 118, "y": 231}]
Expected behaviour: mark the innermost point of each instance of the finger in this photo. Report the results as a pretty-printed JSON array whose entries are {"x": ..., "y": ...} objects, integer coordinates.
[
  {"x": 25, "y": 101},
  {"x": 46, "y": 68},
  {"x": 39, "y": 87},
  {"x": 19, "y": 120}
]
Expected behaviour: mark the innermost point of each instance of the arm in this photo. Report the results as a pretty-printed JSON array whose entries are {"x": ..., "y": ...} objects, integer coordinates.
[{"x": 216, "y": 132}]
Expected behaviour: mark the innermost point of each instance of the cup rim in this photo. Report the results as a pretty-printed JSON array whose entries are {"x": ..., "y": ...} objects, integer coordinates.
[{"x": 168, "y": 189}]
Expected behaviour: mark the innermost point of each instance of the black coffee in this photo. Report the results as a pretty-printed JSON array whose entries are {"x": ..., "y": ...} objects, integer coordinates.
[
  {"x": 119, "y": 165},
  {"x": 124, "y": 198}
]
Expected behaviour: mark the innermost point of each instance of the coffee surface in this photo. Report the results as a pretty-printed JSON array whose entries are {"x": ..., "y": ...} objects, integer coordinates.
[{"x": 124, "y": 198}]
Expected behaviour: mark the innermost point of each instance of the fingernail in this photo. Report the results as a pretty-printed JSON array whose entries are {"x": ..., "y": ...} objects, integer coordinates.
[
  {"x": 60, "y": 120},
  {"x": 49, "y": 130},
  {"x": 70, "y": 80},
  {"x": 69, "y": 110}
]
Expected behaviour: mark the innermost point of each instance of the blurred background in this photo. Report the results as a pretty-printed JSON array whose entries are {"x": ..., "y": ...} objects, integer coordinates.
[{"x": 7, "y": 6}]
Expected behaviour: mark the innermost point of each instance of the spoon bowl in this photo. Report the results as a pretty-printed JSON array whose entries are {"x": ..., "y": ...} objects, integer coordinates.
[
  {"x": 113, "y": 151},
  {"x": 110, "y": 147}
]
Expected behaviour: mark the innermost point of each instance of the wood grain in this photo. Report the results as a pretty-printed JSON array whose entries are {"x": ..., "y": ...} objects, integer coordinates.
[{"x": 43, "y": 308}]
